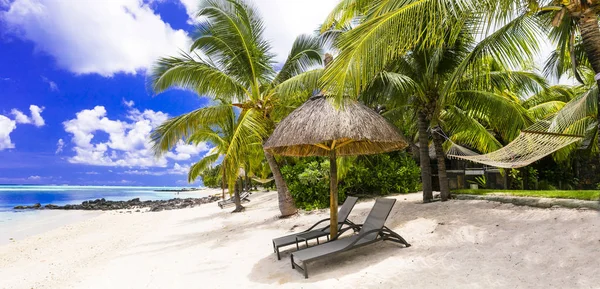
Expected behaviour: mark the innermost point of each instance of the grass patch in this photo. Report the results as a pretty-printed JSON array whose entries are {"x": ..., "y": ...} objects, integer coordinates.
[{"x": 587, "y": 195}]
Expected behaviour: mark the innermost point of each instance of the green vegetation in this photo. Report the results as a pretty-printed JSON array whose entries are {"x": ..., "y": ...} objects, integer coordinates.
[
  {"x": 438, "y": 70},
  {"x": 588, "y": 195},
  {"x": 382, "y": 174},
  {"x": 308, "y": 182},
  {"x": 212, "y": 177},
  {"x": 231, "y": 62},
  {"x": 392, "y": 173}
]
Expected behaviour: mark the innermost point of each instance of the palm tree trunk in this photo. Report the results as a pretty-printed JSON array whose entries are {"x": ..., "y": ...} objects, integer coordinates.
[
  {"x": 286, "y": 202},
  {"x": 590, "y": 35},
  {"x": 424, "y": 158},
  {"x": 223, "y": 181},
  {"x": 238, "y": 201},
  {"x": 438, "y": 141}
]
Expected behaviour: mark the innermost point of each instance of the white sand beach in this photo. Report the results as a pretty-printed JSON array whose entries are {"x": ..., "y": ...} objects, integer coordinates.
[{"x": 456, "y": 244}]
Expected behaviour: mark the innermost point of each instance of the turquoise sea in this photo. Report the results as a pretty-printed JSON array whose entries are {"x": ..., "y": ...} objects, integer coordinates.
[{"x": 14, "y": 195}]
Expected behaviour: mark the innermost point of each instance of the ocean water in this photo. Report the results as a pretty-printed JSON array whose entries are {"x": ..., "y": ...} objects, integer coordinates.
[{"x": 15, "y": 195}]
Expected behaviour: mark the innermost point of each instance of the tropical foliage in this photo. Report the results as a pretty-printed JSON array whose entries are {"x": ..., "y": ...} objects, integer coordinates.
[
  {"x": 442, "y": 71},
  {"x": 212, "y": 177},
  {"x": 230, "y": 61},
  {"x": 451, "y": 64},
  {"x": 377, "y": 175}
]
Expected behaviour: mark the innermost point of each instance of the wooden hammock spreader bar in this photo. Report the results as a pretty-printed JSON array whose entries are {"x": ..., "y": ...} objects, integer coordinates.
[{"x": 552, "y": 133}]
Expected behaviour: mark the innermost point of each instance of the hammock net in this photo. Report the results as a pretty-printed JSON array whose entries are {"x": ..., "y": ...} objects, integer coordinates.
[{"x": 537, "y": 141}]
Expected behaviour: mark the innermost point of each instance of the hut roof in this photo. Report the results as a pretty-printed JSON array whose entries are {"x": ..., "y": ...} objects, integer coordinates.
[{"x": 357, "y": 130}]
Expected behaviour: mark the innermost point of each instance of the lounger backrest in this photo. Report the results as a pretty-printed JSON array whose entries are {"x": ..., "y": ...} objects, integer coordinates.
[
  {"x": 377, "y": 217},
  {"x": 345, "y": 210}
]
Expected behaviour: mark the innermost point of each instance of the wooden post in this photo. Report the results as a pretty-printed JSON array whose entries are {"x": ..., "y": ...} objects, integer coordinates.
[{"x": 333, "y": 194}]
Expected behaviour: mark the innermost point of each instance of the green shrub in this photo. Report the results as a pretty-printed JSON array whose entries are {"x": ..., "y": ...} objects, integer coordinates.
[
  {"x": 308, "y": 182},
  {"x": 382, "y": 174},
  {"x": 308, "y": 178}
]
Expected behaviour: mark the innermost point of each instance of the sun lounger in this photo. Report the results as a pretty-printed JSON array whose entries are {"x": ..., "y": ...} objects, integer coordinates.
[
  {"x": 312, "y": 233},
  {"x": 373, "y": 230},
  {"x": 231, "y": 201}
]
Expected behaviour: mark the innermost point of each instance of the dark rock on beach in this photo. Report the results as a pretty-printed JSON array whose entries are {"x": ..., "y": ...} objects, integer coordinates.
[{"x": 104, "y": 205}]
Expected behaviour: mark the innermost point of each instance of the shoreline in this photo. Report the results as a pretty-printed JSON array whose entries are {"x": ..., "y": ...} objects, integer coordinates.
[{"x": 16, "y": 226}]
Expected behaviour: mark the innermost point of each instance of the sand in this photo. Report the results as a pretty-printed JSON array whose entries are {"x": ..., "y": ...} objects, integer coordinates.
[{"x": 456, "y": 244}]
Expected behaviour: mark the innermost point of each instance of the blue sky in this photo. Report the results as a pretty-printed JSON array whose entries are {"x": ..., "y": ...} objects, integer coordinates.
[{"x": 74, "y": 107}]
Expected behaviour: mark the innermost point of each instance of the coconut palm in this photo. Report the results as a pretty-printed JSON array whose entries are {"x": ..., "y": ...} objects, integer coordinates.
[
  {"x": 433, "y": 85},
  {"x": 232, "y": 136},
  {"x": 390, "y": 30},
  {"x": 386, "y": 35},
  {"x": 403, "y": 24},
  {"x": 231, "y": 60}
]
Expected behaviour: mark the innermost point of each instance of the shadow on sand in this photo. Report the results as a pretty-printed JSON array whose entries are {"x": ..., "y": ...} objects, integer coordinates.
[{"x": 269, "y": 270}]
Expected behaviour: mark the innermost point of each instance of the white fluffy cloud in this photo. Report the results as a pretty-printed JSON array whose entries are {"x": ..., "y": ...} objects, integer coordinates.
[
  {"x": 103, "y": 37},
  {"x": 186, "y": 151},
  {"x": 36, "y": 115},
  {"x": 128, "y": 142},
  {"x": 191, "y": 7},
  {"x": 19, "y": 116},
  {"x": 6, "y": 127},
  {"x": 35, "y": 119},
  {"x": 59, "y": 146}
]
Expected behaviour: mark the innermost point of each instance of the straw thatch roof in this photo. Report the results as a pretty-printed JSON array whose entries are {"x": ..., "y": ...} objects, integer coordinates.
[{"x": 357, "y": 130}]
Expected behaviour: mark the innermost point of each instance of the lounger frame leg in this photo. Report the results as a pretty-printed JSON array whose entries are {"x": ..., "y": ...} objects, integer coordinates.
[
  {"x": 304, "y": 269},
  {"x": 390, "y": 235},
  {"x": 276, "y": 249}
]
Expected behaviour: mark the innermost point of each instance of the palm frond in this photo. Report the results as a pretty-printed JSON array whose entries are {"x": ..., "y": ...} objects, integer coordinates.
[
  {"x": 544, "y": 110},
  {"x": 378, "y": 36},
  {"x": 166, "y": 136},
  {"x": 300, "y": 86},
  {"x": 199, "y": 167},
  {"x": 467, "y": 130},
  {"x": 306, "y": 53},
  {"x": 201, "y": 77},
  {"x": 232, "y": 37}
]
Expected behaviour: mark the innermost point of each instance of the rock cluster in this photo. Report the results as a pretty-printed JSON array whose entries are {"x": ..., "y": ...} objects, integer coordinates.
[{"x": 104, "y": 205}]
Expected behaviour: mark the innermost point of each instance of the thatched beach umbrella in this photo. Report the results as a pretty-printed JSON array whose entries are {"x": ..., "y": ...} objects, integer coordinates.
[{"x": 317, "y": 128}]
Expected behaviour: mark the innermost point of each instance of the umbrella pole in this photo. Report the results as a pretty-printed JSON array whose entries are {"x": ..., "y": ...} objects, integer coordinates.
[{"x": 333, "y": 194}]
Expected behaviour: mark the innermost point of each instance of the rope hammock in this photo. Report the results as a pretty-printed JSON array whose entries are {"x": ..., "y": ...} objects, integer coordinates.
[{"x": 537, "y": 141}]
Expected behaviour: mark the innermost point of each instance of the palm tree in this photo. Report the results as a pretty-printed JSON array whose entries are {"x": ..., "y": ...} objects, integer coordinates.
[
  {"x": 432, "y": 55},
  {"x": 573, "y": 26},
  {"x": 232, "y": 136},
  {"x": 403, "y": 24},
  {"x": 425, "y": 83},
  {"x": 231, "y": 60}
]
